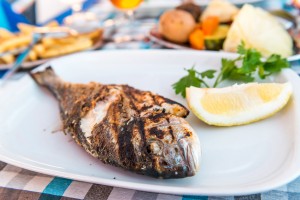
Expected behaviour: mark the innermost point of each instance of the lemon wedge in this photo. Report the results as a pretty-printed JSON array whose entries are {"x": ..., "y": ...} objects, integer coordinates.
[{"x": 238, "y": 104}]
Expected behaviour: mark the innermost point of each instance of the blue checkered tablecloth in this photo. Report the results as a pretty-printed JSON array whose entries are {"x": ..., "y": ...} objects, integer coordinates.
[{"x": 21, "y": 184}]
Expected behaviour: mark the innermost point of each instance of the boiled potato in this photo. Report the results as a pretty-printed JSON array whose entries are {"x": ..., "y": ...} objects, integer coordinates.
[{"x": 176, "y": 25}]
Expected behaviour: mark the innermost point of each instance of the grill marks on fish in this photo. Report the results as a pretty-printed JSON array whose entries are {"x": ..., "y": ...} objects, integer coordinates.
[
  {"x": 133, "y": 140},
  {"x": 125, "y": 127},
  {"x": 78, "y": 100},
  {"x": 157, "y": 132},
  {"x": 127, "y": 134},
  {"x": 106, "y": 142},
  {"x": 126, "y": 148},
  {"x": 127, "y": 131}
]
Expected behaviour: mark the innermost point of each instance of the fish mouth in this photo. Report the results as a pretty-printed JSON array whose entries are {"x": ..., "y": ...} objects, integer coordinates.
[{"x": 191, "y": 152}]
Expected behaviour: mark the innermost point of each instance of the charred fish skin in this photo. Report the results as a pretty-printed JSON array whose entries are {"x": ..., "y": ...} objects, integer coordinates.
[{"x": 126, "y": 127}]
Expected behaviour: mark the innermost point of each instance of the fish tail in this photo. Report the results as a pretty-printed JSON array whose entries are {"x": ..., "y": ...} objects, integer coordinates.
[{"x": 47, "y": 78}]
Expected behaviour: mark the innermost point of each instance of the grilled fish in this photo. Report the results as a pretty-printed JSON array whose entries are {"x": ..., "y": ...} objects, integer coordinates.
[{"x": 126, "y": 127}]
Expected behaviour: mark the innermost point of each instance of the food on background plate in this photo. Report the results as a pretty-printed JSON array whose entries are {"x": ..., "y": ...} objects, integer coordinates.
[
  {"x": 210, "y": 25},
  {"x": 222, "y": 26},
  {"x": 196, "y": 39},
  {"x": 7, "y": 59},
  {"x": 216, "y": 40},
  {"x": 47, "y": 47},
  {"x": 208, "y": 34},
  {"x": 222, "y": 9},
  {"x": 259, "y": 30},
  {"x": 192, "y": 8},
  {"x": 176, "y": 25},
  {"x": 53, "y": 47},
  {"x": 18, "y": 40},
  {"x": 125, "y": 127},
  {"x": 238, "y": 104},
  {"x": 5, "y": 34}
]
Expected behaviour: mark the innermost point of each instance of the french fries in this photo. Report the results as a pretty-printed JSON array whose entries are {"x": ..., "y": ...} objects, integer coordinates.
[
  {"x": 26, "y": 28},
  {"x": 32, "y": 56},
  {"x": 81, "y": 43},
  {"x": 52, "y": 24},
  {"x": 5, "y": 34},
  {"x": 7, "y": 59},
  {"x": 18, "y": 41},
  {"x": 47, "y": 47},
  {"x": 94, "y": 35},
  {"x": 39, "y": 49}
]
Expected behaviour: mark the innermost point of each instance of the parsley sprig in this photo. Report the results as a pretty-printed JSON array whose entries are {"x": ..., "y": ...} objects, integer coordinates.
[{"x": 248, "y": 65}]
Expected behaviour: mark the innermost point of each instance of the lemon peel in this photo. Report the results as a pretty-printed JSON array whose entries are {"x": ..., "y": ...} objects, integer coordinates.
[{"x": 238, "y": 104}]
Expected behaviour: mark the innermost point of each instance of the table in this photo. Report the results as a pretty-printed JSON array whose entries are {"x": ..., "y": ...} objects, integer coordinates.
[{"x": 18, "y": 183}]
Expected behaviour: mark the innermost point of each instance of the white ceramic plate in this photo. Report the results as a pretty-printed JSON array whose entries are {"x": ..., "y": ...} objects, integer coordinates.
[{"x": 236, "y": 160}]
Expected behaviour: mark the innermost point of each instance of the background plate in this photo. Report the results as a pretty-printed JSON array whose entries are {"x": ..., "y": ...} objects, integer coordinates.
[
  {"x": 156, "y": 37},
  {"x": 235, "y": 160},
  {"x": 32, "y": 64}
]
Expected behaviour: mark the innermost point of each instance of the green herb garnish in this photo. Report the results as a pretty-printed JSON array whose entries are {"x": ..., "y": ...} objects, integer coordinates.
[{"x": 251, "y": 64}]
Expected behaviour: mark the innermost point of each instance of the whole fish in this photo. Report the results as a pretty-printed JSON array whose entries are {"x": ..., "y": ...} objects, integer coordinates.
[{"x": 126, "y": 127}]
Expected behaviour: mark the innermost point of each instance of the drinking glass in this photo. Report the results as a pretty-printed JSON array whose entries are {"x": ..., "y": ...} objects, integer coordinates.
[{"x": 127, "y": 7}]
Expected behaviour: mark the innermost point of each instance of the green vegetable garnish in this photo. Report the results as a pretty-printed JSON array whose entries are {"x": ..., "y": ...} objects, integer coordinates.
[{"x": 251, "y": 65}]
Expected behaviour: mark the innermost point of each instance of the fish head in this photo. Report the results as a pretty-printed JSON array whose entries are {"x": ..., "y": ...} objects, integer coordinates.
[{"x": 174, "y": 148}]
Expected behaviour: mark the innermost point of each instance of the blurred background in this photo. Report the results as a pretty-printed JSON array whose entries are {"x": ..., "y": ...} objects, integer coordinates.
[
  {"x": 113, "y": 24},
  {"x": 39, "y": 12}
]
